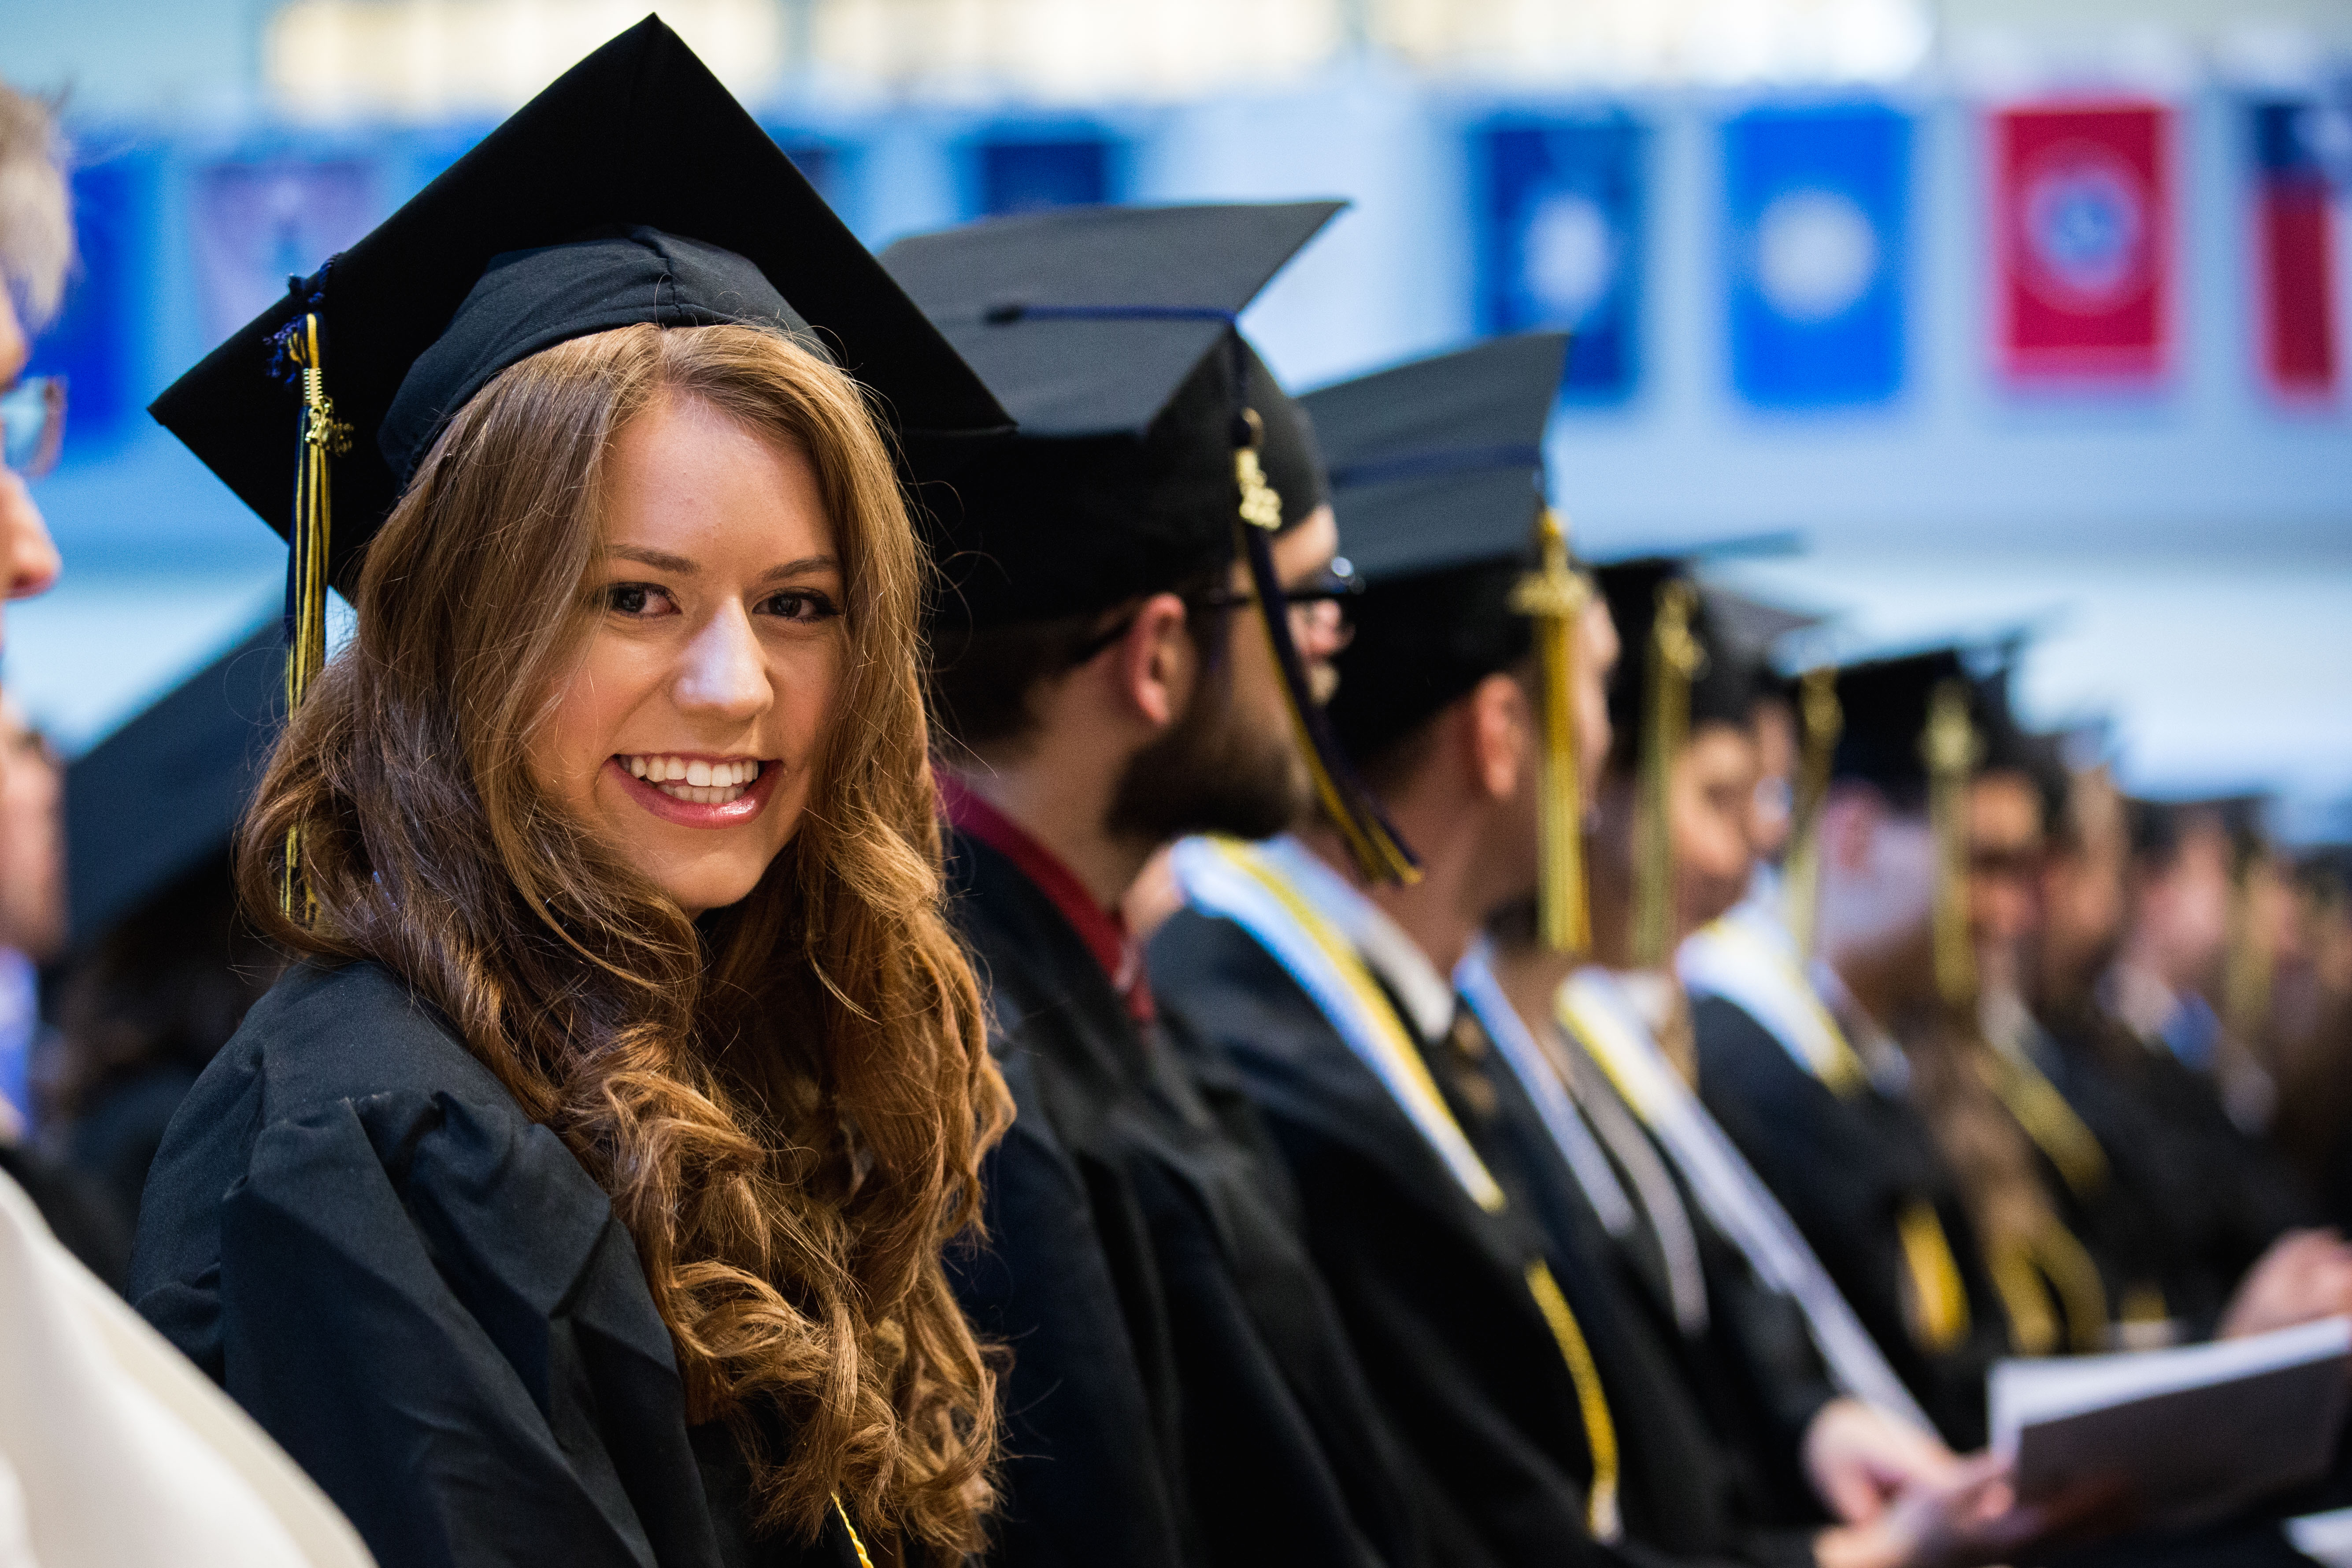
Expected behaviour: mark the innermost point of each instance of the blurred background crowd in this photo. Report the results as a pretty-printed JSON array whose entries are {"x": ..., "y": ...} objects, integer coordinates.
[{"x": 2020, "y": 323}]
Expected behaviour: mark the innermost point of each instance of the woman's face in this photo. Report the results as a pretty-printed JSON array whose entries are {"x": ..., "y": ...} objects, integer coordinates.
[{"x": 686, "y": 733}]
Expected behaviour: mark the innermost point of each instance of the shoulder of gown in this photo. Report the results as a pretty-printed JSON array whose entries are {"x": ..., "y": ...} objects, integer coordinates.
[{"x": 420, "y": 1293}]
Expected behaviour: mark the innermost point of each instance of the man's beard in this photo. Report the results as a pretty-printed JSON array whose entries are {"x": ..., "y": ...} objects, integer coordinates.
[{"x": 1210, "y": 774}]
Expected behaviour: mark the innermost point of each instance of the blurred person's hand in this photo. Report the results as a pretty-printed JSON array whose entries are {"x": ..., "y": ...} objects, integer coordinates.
[
  {"x": 1859, "y": 1460},
  {"x": 2306, "y": 1275},
  {"x": 1970, "y": 1519},
  {"x": 33, "y": 913}
]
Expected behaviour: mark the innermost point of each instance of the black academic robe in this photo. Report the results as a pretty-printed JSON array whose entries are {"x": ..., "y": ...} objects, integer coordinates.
[
  {"x": 1435, "y": 1288},
  {"x": 1846, "y": 1168},
  {"x": 1181, "y": 1391},
  {"x": 1752, "y": 1369},
  {"x": 426, "y": 1300},
  {"x": 2216, "y": 1198}
]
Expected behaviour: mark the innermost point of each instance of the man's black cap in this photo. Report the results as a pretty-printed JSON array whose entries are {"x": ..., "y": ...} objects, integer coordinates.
[
  {"x": 1723, "y": 687},
  {"x": 634, "y": 189},
  {"x": 164, "y": 792},
  {"x": 1107, "y": 335},
  {"x": 1436, "y": 471},
  {"x": 1883, "y": 705}
]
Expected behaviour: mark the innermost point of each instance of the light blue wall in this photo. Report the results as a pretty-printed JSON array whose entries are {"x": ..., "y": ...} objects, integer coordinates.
[{"x": 2190, "y": 550}]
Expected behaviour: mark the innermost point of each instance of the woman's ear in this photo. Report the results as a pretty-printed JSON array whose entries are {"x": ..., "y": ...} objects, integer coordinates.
[
  {"x": 1156, "y": 661},
  {"x": 1502, "y": 736}
]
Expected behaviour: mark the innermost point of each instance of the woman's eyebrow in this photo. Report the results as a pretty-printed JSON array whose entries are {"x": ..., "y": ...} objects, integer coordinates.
[
  {"x": 800, "y": 568},
  {"x": 659, "y": 560}
]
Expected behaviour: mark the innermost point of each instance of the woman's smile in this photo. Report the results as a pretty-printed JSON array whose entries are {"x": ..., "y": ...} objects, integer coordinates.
[{"x": 695, "y": 790}]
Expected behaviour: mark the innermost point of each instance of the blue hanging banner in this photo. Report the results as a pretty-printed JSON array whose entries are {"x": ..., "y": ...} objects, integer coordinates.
[
  {"x": 94, "y": 342},
  {"x": 1560, "y": 242},
  {"x": 1818, "y": 204},
  {"x": 1019, "y": 175}
]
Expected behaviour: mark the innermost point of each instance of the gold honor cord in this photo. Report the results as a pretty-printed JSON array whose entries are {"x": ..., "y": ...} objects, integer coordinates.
[
  {"x": 1371, "y": 843},
  {"x": 1601, "y": 1511},
  {"x": 2038, "y": 1107},
  {"x": 1938, "y": 1301},
  {"x": 322, "y": 437},
  {"x": 1951, "y": 750},
  {"x": 863, "y": 1561},
  {"x": 1555, "y": 597},
  {"x": 1675, "y": 659},
  {"x": 1822, "y": 719}
]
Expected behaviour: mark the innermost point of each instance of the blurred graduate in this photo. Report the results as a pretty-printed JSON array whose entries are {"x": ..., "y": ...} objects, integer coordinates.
[{"x": 1542, "y": 1323}]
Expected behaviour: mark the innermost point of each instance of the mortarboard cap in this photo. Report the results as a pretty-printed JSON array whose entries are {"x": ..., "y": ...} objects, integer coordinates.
[
  {"x": 163, "y": 794},
  {"x": 1107, "y": 335},
  {"x": 634, "y": 189},
  {"x": 1436, "y": 471},
  {"x": 1884, "y": 706},
  {"x": 1724, "y": 682}
]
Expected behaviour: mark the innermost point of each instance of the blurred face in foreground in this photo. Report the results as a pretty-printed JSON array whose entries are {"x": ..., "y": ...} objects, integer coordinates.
[
  {"x": 690, "y": 731},
  {"x": 32, "y": 840},
  {"x": 28, "y": 561}
]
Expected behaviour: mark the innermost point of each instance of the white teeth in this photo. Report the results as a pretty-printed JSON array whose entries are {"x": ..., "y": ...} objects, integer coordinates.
[{"x": 702, "y": 782}]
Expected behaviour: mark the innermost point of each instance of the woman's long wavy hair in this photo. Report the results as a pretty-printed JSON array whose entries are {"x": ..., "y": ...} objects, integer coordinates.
[{"x": 788, "y": 1103}]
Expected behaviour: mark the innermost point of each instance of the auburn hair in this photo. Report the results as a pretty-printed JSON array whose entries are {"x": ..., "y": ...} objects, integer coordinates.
[{"x": 787, "y": 1100}]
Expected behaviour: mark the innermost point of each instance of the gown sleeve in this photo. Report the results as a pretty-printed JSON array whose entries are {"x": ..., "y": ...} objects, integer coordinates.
[{"x": 431, "y": 1308}]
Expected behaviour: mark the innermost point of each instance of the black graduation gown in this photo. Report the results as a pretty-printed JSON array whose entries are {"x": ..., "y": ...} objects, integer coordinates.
[
  {"x": 1435, "y": 1288},
  {"x": 422, "y": 1297},
  {"x": 1846, "y": 1168},
  {"x": 2217, "y": 1198},
  {"x": 1753, "y": 1369},
  {"x": 1181, "y": 1390}
]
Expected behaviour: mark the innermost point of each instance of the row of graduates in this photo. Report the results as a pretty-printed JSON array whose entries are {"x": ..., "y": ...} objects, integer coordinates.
[{"x": 1467, "y": 1170}]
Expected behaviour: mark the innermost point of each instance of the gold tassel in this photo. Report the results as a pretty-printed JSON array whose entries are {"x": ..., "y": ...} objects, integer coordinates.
[
  {"x": 321, "y": 438},
  {"x": 1555, "y": 598},
  {"x": 2247, "y": 959},
  {"x": 1950, "y": 748},
  {"x": 1822, "y": 718},
  {"x": 1675, "y": 659}
]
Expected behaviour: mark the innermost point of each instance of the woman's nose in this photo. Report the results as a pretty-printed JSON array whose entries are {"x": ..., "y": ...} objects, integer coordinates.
[{"x": 725, "y": 674}]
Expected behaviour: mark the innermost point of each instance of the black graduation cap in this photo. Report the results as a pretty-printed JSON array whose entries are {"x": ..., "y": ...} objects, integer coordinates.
[
  {"x": 1884, "y": 706},
  {"x": 663, "y": 201},
  {"x": 1108, "y": 333},
  {"x": 1436, "y": 473},
  {"x": 163, "y": 794},
  {"x": 1723, "y": 684}
]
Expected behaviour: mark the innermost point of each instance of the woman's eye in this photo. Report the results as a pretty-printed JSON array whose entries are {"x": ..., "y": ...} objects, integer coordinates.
[
  {"x": 634, "y": 598},
  {"x": 800, "y": 604}
]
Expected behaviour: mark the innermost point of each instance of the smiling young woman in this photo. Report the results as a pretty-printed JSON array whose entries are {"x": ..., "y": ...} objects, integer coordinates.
[{"x": 623, "y": 776}]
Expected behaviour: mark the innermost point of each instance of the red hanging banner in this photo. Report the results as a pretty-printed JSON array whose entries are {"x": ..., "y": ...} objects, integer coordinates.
[
  {"x": 2083, "y": 221},
  {"x": 2296, "y": 144}
]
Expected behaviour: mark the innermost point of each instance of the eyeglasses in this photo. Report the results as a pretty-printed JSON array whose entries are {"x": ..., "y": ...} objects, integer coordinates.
[
  {"x": 33, "y": 424},
  {"x": 1335, "y": 585}
]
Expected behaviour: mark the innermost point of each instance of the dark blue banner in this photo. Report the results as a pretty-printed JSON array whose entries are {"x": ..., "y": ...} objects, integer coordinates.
[
  {"x": 1818, "y": 207},
  {"x": 94, "y": 342},
  {"x": 1019, "y": 175},
  {"x": 1559, "y": 241}
]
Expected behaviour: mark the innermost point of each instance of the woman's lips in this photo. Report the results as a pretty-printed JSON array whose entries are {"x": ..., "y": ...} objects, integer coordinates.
[{"x": 692, "y": 814}]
